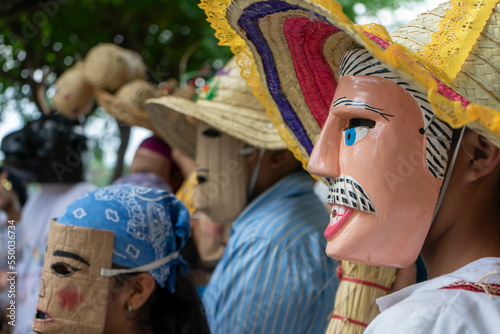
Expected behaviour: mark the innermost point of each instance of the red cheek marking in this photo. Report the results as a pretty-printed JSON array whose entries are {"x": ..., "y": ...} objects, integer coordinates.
[{"x": 70, "y": 299}]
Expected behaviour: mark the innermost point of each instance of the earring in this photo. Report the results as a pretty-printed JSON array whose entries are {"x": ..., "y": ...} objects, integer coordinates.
[
  {"x": 6, "y": 185},
  {"x": 130, "y": 308}
]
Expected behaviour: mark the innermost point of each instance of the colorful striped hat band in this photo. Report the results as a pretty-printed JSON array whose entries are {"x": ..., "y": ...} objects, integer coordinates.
[{"x": 296, "y": 47}]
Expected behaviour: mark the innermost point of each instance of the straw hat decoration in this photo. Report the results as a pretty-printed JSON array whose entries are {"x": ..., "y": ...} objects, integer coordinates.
[
  {"x": 73, "y": 95},
  {"x": 226, "y": 104},
  {"x": 108, "y": 66},
  {"x": 127, "y": 105}
]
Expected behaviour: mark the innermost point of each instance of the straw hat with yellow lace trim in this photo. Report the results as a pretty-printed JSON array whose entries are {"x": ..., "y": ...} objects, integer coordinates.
[
  {"x": 451, "y": 54},
  {"x": 297, "y": 47}
]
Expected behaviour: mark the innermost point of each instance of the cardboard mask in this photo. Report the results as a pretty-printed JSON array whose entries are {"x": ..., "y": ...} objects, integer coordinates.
[
  {"x": 210, "y": 237},
  {"x": 222, "y": 175},
  {"x": 73, "y": 295}
]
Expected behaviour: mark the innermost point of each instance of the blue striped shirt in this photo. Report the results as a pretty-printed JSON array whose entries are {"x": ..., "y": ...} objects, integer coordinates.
[{"x": 274, "y": 276}]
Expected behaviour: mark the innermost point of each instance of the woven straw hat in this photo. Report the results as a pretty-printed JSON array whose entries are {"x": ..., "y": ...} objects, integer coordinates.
[
  {"x": 108, "y": 66},
  {"x": 295, "y": 47},
  {"x": 176, "y": 129},
  {"x": 73, "y": 95},
  {"x": 226, "y": 104},
  {"x": 127, "y": 105},
  {"x": 478, "y": 76}
]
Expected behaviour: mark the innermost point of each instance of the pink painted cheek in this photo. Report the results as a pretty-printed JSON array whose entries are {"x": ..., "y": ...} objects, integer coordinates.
[
  {"x": 212, "y": 229},
  {"x": 70, "y": 299}
]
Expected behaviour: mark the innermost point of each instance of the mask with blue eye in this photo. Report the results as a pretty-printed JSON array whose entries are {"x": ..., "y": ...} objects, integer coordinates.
[{"x": 357, "y": 130}]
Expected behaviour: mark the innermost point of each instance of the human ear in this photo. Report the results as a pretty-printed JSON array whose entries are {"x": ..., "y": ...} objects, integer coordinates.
[
  {"x": 143, "y": 286},
  {"x": 484, "y": 156}
]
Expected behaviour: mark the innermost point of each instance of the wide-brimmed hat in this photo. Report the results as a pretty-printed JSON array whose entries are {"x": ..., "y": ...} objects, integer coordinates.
[
  {"x": 108, "y": 66},
  {"x": 228, "y": 105},
  {"x": 290, "y": 53},
  {"x": 74, "y": 95},
  {"x": 177, "y": 129},
  {"x": 127, "y": 105}
]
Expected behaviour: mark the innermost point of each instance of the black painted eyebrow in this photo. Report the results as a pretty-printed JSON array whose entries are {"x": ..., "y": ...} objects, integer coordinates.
[
  {"x": 212, "y": 133},
  {"x": 71, "y": 255},
  {"x": 343, "y": 100}
]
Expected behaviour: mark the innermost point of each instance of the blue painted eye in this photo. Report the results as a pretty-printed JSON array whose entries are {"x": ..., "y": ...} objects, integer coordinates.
[{"x": 354, "y": 134}]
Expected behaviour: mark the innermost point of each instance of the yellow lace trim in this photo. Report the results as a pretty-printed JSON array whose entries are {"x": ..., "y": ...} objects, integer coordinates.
[
  {"x": 420, "y": 69},
  {"x": 457, "y": 34},
  {"x": 376, "y": 30}
]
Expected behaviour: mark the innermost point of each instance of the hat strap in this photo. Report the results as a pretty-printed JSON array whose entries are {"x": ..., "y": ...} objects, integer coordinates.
[
  {"x": 144, "y": 268},
  {"x": 255, "y": 173},
  {"x": 448, "y": 174}
]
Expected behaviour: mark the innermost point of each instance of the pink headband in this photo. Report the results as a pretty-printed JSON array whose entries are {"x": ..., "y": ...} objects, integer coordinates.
[{"x": 158, "y": 145}]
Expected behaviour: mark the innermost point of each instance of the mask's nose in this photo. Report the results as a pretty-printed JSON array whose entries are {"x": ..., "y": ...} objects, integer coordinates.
[
  {"x": 41, "y": 294},
  {"x": 324, "y": 159}
]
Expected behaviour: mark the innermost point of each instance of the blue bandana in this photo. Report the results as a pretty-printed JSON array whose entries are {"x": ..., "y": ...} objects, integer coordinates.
[{"x": 149, "y": 225}]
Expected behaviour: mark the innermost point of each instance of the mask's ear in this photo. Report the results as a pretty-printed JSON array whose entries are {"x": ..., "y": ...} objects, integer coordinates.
[{"x": 484, "y": 156}]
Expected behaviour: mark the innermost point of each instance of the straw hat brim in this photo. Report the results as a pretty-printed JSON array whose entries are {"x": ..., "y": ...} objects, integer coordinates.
[
  {"x": 123, "y": 112},
  {"x": 296, "y": 46},
  {"x": 173, "y": 127},
  {"x": 254, "y": 129}
]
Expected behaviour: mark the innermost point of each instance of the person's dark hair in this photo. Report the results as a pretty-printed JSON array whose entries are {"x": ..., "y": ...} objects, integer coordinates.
[
  {"x": 49, "y": 149},
  {"x": 190, "y": 254},
  {"x": 180, "y": 312},
  {"x": 18, "y": 186}
]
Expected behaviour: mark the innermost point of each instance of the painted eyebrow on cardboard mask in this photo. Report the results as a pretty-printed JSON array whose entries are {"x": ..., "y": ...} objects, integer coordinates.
[
  {"x": 71, "y": 255},
  {"x": 343, "y": 101},
  {"x": 212, "y": 133}
]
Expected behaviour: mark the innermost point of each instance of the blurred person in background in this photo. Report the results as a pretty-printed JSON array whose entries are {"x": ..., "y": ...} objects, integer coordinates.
[
  {"x": 117, "y": 250},
  {"x": 13, "y": 196},
  {"x": 153, "y": 160},
  {"x": 49, "y": 152}
]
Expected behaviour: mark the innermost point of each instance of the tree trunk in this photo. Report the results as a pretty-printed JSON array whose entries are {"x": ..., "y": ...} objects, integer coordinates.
[{"x": 124, "y": 137}]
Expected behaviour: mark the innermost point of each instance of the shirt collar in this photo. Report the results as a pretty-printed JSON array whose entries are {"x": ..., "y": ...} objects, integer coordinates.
[{"x": 473, "y": 271}]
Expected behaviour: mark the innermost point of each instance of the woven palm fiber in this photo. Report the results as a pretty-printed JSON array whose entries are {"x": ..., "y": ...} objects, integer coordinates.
[
  {"x": 127, "y": 105},
  {"x": 355, "y": 307},
  {"x": 73, "y": 95},
  {"x": 109, "y": 66}
]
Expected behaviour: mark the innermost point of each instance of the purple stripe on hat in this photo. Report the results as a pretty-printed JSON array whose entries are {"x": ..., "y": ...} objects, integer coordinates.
[{"x": 249, "y": 23}]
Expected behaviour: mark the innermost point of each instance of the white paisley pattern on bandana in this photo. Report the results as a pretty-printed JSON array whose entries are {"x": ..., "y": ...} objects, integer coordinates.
[{"x": 149, "y": 224}]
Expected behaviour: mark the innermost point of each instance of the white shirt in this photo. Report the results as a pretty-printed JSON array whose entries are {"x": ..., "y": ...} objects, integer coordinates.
[
  {"x": 426, "y": 308},
  {"x": 47, "y": 203}
]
